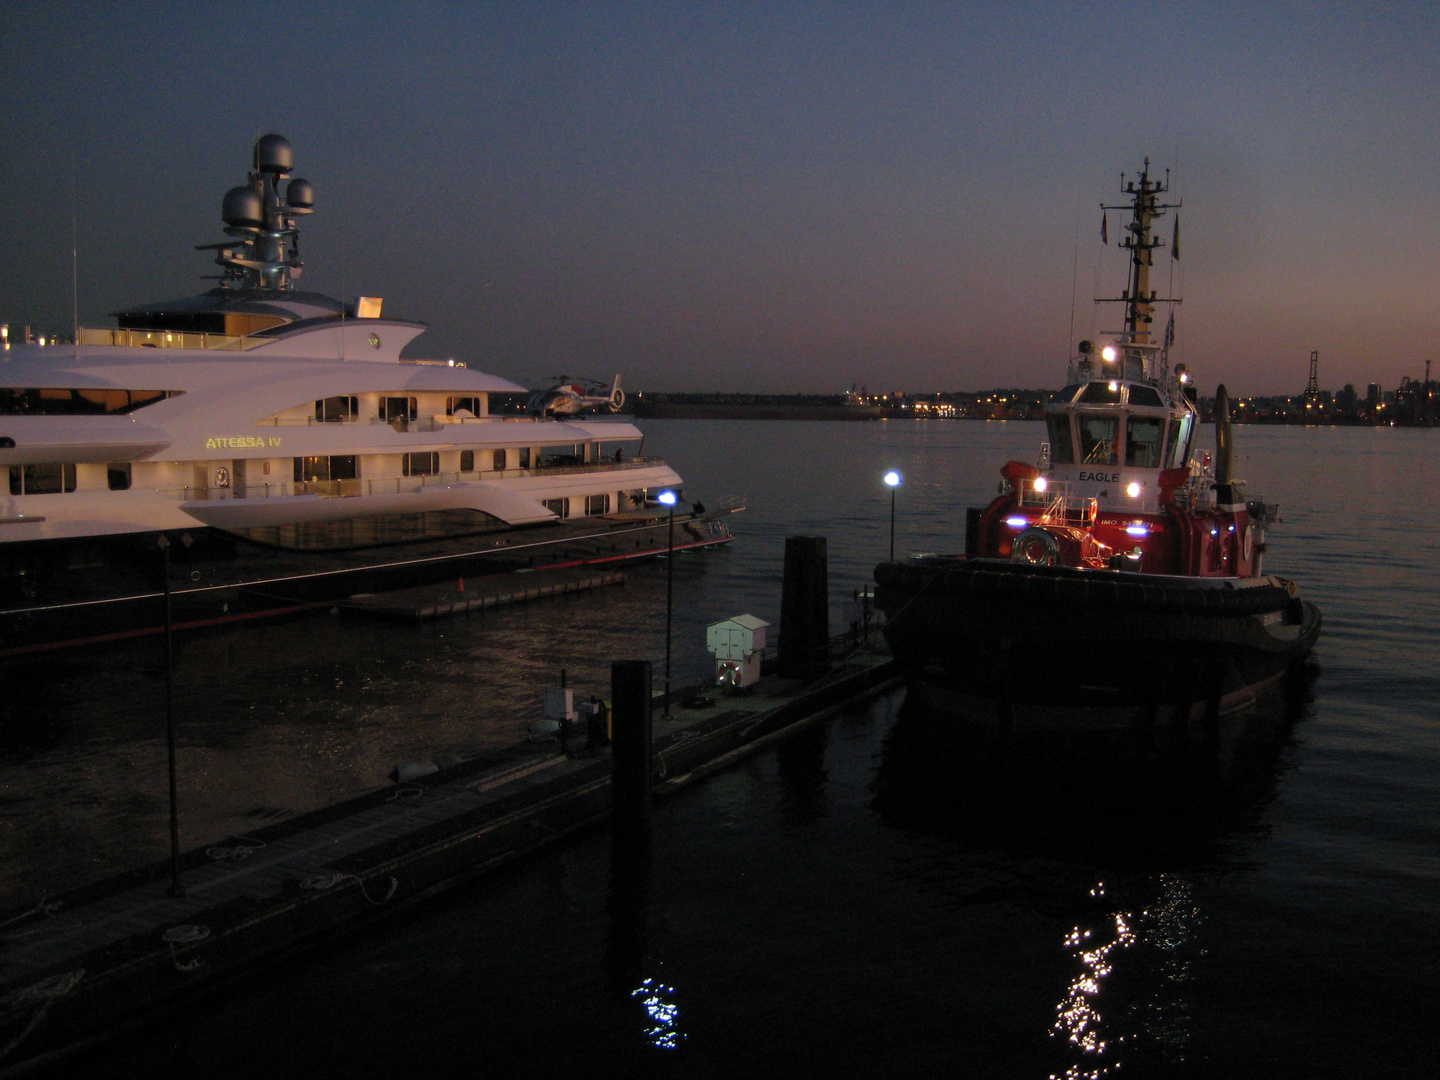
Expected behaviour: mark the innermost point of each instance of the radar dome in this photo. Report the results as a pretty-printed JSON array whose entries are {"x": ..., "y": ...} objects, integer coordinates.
[
  {"x": 300, "y": 194},
  {"x": 242, "y": 208},
  {"x": 273, "y": 154}
]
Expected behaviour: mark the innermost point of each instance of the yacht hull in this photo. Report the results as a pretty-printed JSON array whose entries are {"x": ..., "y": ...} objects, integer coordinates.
[{"x": 66, "y": 594}]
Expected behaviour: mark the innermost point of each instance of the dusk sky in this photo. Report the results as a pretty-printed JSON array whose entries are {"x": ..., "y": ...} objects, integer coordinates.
[{"x": 770, "y": 197}]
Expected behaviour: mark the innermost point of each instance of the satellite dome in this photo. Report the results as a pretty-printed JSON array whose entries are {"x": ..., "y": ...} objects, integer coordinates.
[
  {"x": 300, "y": 194},
  {"x": 242, "y": 208},
  {"x": 273, "y": 154}
]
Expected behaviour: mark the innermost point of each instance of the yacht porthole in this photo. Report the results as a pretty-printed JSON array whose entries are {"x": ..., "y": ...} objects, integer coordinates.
[{"x": 374, "y": 341}]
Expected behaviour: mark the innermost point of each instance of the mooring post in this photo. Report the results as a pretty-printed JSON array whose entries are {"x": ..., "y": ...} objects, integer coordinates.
[
  {"x": 805, "y": 609},
  {"x": 630, "y": 756}
]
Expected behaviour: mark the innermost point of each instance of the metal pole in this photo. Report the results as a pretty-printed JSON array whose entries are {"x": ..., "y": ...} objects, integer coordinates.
[
  {"x": 892, "y": 522},
  {"x": 176, "y": 889},
  {"x": 669, "y": 603}
]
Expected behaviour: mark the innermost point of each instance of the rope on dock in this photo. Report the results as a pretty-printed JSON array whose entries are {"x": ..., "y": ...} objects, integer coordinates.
[
  {"x": 43, "y": 994},
  {"x": 185, "y": 935},
  {"x": 320, "y": 882},
  {"x": 244, "y": 848}
]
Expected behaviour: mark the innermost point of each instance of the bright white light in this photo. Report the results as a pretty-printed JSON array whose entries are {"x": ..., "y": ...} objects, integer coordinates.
[
  {"x": 892, "y": 478},
  {"x": 1114, "y": 386},
  {"x": 1137, "y": 530},
  {"x": 1133, "y": 489},
  {"x": 1017, "y": 522},
  {"x": 667, "y": 497},
  {"x": 1108, "y": 353},
  {"x": 1041, "y": 483}
]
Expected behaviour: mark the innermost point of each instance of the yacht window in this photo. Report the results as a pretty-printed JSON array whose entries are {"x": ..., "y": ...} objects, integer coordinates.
[
  {"x": 499, "y": 460},
  {"x": 524, "y": 457},
  {"x": 1062, "y": 447},
  {"x": 1145, "y": 395},
  {"x": 597, "y": 504},
  {"x": 118, "y": 474},
  {"x": 46, "y": 479},
  {"x": 1097, "y": 438},
  {"x": 336, "y": 467},
  {"x": 1101, "y": 393},
  {"x": 467, "y": 460},
  {"x": 422, "y": 464},
  {"x": 53, "y": 402},
  {"x": 398, "y": 408},
  {"x": 558, "y": 507},
  {"x": 337, "y": 410},
  {"x": 1142, "y": 441},
  {"x": 458, "y": 406}
]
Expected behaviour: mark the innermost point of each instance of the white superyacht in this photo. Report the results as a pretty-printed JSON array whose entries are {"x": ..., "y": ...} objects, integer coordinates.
[{"x": 287, "y": 454}]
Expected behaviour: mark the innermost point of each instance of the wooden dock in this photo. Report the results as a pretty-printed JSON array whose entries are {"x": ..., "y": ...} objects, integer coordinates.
[
  {"x": 88, "y": 964},
  {"x": 475, "y": 594}
]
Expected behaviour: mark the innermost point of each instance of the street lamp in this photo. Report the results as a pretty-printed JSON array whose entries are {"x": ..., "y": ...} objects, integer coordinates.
[
  {"x": 668, "y": 498},
  {"x": 893, "y": 479}
]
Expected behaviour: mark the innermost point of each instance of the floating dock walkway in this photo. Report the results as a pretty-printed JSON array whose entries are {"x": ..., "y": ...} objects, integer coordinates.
[
  {"x": 90, "y": 963},
  {"x": 461, "y": 595}
]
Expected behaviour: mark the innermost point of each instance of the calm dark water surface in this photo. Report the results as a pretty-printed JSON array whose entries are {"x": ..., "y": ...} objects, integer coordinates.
[{"x": 867, "y": 900}]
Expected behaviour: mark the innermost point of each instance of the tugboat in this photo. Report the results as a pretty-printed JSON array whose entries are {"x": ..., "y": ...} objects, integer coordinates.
[{"x": 1116, "y": 583}]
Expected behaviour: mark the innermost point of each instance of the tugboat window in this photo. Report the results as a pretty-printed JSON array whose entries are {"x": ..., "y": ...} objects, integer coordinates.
[
  {"x": 1145, "y": 395},
  {"x": 1101, "y": 393},
  {"x": 1177, "y": 448},
  {"x": 1097, "y": 439},
  {"x": 1142, "y": 441},
  {"x": 1062, "y": 447}
]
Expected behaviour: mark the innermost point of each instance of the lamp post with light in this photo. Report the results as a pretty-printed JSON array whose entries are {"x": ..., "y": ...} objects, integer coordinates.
[
  {"x": 669, "y": 498},
  {"x": 892, "y": 478}
]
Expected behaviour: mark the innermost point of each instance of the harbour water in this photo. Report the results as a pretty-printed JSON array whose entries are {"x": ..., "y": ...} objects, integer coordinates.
[{"x": 868, "y": 900}]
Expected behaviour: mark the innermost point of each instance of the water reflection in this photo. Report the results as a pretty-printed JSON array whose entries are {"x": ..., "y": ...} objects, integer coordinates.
[{"x": 1105, "y": 837}]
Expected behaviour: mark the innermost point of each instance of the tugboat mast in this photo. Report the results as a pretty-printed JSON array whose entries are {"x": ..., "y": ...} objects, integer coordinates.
[{"x": 1139, "y": 298}]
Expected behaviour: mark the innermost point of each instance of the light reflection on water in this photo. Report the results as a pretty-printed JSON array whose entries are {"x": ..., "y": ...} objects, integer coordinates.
[{"x": 919, "y": 903}]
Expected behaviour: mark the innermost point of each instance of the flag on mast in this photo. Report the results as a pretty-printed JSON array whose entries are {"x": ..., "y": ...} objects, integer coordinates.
[
  {"x": 1170, "y": 329},
  {"x": 1175, "y": 241},
  {"x": 1104, "y": 227}
]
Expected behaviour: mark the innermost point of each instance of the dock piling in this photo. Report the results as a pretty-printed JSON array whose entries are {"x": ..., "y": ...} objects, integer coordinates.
[{"x": 804, "y": 650}]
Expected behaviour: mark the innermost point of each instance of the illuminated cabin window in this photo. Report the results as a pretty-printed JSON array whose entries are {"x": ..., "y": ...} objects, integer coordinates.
[
  {"x": 456, "y": 405},
  {"x": 426, "y": 463},
  {"x": 337, "y": 410},
  {"x": 45, "y": 479},
  {"x": 499, "y": 459},
  {"x": 467, "y": 460},
  {"x": 558, "y": 507},
  {"x": 86, "y": 402},
  {"x": 118, "y": 475},
  {"x": 322, "y": 468},
  {"x": 597, "y": 504}
]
